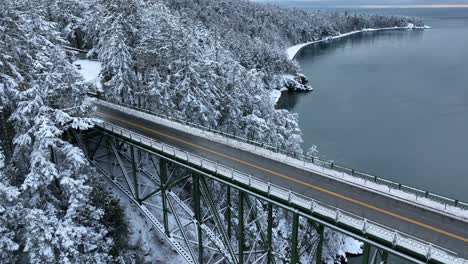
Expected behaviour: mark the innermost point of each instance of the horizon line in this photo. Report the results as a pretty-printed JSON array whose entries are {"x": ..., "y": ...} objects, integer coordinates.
[{"x": 414, "y": 6}]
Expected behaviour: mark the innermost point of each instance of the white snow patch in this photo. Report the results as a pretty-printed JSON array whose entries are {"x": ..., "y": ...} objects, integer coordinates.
[
  {"x": 143, "y": 235},
  {"x": 286, "y": 76},
  {"x": 292, "y": 51},
  {"x": 338, "y": 245},
  {"x": 90, "y": 71},
  {"x": 352, "y": 246},
  {"x": 275, "y": 95},
  {"x": 447, "y": 209},
  {"x": 284, "y": 82}
]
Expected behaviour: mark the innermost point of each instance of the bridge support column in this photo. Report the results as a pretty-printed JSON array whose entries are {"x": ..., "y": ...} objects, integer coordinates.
[
  {"x": 380, "y": 257},
  {"x": 228, "y": 212},
  {"x": 211, "y": 235},
  {"x": 294, "y": 239},
  {"x": 318, "y": 255},
  {"x": 109, "y": 155},
  {"x": 241, "y": 227},
  {"x": 366, "y": 253},
  {"x": 198, "y": 215},
  {"x": 385, "y": 257},
  {"x": 270, "y": 234},
  {"x": 254, "y": 218},
  {"x": 163, "y": 176},
  {"x": 211, "y": 204},
  {"x": 134, "y": 174}
]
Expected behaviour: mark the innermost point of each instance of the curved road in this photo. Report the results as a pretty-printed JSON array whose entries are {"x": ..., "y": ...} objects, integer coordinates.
[{"x": 429, "y": 226}]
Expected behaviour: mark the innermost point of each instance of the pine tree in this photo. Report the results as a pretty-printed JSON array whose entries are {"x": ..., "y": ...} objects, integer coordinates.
[
  {"x": 117, "y": 37},
  {"x": 53, "y": 221},
  {"x": 118, "y": 70},
  {"x": 211, "y": 62},
  {"x": 8, "y": 216}
]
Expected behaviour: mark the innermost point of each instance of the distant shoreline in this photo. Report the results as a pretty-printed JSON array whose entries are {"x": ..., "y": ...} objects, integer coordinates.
[
  {"x": 294, "y": 50},
  {"x": 408, "y": 6}
]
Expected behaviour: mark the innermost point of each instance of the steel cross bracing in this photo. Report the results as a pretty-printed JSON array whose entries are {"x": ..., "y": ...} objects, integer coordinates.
[
  {"x": 212, "y": 214},
  {"x": 190, "y": 210}
]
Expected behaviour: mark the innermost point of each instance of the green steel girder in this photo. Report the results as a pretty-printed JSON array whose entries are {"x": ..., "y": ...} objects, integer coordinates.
[
  {"x": 122, "y": 168},
  {"x": 181, "y": 228},
  {"x": 318, "y": 255},
  {"x": 206, "y": 196},
  {"x": 307, "y": 243},
  {"x": 294, "y": 239},
  {"x": 380, "y": 257},
  {"x": 228, "y": 212},
  {"x": 169, "y": 186},
  {"x": 270, "y": 258},
  {"x": 150, "y": 195},
  {"x": 92, "y": 152},
  {"x": 156, "y": 167},
  {"x": 366, "y": 253},
  {"x": 330, "y": 222},
  {"x": 198, "y": 215},
  {"x": 384, "y": 255},
  {"x": 134, "y": 173},
  {"x": 163, "y": 176},
  {"x": 264, "y": 240},
  {"x": 240, "y": 232}
]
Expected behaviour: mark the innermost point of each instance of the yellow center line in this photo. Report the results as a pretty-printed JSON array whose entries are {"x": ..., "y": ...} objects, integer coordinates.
[{"x": 404, "y": 218}]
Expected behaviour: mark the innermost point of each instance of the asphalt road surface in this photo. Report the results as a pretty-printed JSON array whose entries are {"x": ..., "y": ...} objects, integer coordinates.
[{"x": 427, "y": 225}]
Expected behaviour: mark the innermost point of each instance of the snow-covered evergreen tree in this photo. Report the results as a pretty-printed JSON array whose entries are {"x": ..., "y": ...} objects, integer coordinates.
[
  {"x": 55, "y": 222},
  {"x": 257, "y": 33},
  {"x": 9, "y": 210},
  {"x": 118, "y": 71},
  {"x": 212, "y": 62},
  {"x": 118, "y": 23}
]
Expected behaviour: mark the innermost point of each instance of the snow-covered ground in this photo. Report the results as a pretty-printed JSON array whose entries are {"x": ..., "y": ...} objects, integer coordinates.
[
  {"x": 287, "y": 82},
  {"x": 90, "y": 71},
  {"x": 292, "y": 51},
  {"x": 341, "y": 245},
  {"x": 352, "y": 246},
  {"x": 143, "y": 236},
  {"x": 275, "y": 95}
]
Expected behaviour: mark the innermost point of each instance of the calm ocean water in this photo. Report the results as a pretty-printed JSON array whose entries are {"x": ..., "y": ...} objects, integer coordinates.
[{"x": 394, "y": 103}]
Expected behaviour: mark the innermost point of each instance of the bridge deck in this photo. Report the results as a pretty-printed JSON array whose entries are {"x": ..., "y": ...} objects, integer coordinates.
[{"x": 435, "y": 228}]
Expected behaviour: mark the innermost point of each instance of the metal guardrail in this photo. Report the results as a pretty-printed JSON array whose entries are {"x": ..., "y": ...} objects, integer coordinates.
[
  {"x": 370, "y": 181},
  {"x": 338, "y": 216}
]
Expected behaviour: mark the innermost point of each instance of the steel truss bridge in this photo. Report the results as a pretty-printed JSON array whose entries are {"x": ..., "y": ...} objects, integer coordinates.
[{"x": 214, "y": 203}]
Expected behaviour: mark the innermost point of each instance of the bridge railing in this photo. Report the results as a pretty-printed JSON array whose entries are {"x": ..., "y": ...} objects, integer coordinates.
[
  {"x": 334, "y": 216},
  {"x": 423, "y": 197}
]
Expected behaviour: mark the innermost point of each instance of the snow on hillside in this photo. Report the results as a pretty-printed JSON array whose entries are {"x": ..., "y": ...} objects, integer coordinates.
[
  {"x": 210, "y": 62},
  {"x": 275, "y": 95},
  {"x": 144, "y": 236},
  {"x": 90, "y": 71}
]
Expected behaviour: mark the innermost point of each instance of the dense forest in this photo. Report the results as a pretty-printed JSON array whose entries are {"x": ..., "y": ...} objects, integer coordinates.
[
  {"x": 257, "y": 34},
  {"x": 213, "y": 62}
]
